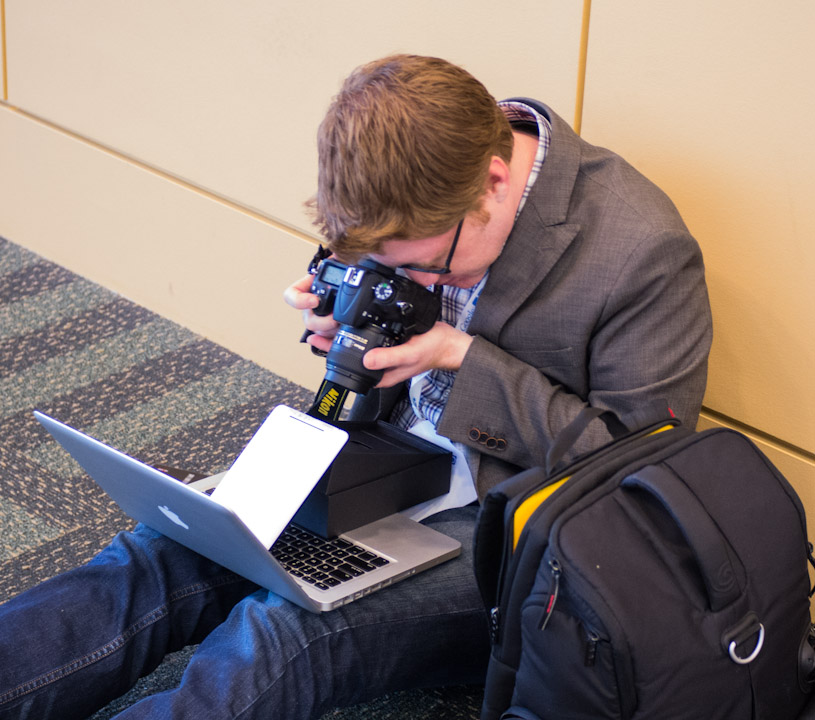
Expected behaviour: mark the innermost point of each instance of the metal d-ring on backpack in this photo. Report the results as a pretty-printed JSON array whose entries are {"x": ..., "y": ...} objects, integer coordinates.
[{"x": 663, "y": 576}]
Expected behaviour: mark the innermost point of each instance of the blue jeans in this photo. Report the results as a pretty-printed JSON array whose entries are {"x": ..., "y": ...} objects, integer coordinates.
[{"x": 72, "y": 644}]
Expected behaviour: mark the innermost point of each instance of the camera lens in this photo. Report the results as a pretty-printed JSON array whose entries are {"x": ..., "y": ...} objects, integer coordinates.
[{"x": 344, "y": 362}]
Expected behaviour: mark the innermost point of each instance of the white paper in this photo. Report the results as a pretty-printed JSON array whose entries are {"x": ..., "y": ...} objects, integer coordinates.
[
  {"x": 462, "y": 489},
  {"x": 278, "y": 469}
]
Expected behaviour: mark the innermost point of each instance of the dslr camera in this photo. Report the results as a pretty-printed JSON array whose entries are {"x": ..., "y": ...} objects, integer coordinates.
[{"x": 375, "y": 307}]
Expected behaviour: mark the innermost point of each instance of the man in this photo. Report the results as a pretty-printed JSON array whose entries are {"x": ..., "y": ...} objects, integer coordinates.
[
  {"x": 569, "y": 280},
  {"x": 590, "y": 289}
]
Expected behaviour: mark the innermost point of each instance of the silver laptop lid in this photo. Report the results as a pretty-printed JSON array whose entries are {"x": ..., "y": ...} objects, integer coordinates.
[
  {"x": 193, "y": 519},
  {"x": 186, "y": 515}
]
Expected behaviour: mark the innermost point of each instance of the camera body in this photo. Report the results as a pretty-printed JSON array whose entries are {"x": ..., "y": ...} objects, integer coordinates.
[{"x": 375, "y": 307}]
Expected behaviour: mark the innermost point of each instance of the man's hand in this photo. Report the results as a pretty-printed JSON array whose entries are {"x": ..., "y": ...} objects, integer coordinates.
[
  {"x": 300, "y": 297},
  {"x": 441, "y": 347}
]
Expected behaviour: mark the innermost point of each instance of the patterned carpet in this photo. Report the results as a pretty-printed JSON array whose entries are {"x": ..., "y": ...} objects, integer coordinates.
[{"x": 146, "y": 386}]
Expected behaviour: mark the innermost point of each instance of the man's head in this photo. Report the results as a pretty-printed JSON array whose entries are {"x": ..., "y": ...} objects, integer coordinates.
[{"x": 404, "y": 153}]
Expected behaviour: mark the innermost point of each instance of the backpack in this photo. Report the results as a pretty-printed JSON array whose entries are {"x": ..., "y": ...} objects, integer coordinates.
[{"x": 663, "y": 576}]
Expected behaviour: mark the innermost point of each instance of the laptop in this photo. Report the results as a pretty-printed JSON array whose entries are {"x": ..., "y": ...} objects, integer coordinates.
[{"x": 353, "y": 565}]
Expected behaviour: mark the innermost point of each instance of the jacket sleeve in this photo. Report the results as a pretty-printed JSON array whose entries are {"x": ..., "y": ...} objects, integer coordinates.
[{"x": 649, "y": 339}]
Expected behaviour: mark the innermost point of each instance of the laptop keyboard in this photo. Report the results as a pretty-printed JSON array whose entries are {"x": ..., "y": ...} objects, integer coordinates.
[{"x": 320, "y": 562}]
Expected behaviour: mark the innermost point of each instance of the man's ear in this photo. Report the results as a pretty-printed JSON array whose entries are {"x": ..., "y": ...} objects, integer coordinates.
[{"x": 498, "y": 179}]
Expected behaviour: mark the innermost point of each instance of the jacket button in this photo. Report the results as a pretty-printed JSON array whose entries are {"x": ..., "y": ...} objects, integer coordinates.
[
  {"x": 500, "y": 444},
  {"x": 475, "y": 433}
]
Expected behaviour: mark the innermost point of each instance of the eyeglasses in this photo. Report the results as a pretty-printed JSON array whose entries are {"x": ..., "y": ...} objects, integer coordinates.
[{"x": 444, "y": 269}]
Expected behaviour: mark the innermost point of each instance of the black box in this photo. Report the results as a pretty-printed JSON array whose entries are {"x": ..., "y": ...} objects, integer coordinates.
[{"x": 380, "y": 470}]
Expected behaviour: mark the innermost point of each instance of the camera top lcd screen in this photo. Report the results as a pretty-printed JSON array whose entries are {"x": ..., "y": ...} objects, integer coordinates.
[{"x": 332, "y": 273}]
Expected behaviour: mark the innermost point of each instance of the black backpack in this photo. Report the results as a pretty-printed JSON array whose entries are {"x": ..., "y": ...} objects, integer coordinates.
[{"x": 661, "y": 577}]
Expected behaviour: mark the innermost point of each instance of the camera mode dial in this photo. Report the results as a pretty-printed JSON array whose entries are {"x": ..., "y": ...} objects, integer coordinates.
[{"x": 383, "y": 291}]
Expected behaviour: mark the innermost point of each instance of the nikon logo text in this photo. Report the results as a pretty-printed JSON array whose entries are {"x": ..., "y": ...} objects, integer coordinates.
[{"x": 328, "y": 401}]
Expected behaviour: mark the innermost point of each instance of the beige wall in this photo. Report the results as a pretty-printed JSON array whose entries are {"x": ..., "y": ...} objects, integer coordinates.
[
  {"x": 720, "y": 116},
  {"x": 715, "y": 102},
  {"x": 164, "y": 149}
]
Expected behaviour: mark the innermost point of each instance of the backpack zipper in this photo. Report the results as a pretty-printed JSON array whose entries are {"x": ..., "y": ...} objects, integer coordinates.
[
  {"x": 495, "y": 613},
  {"x": 592, "y": 640},
  {"x": 495, "y": 624},
  {"x": 554, "y": 567}
]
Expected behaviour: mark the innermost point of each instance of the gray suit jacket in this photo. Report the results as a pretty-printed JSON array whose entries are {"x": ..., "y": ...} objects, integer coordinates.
[{"x": 598, "y": 298}]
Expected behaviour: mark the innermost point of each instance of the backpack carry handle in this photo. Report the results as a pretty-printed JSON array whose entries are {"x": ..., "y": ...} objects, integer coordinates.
[
  {"x": 652, "y": 412},
  {"x": 567, "y": 437},
  {"x": 710, "y": 548}
]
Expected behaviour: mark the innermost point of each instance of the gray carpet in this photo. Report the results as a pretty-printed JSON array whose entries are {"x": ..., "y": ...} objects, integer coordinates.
[{"x": 147, "y": 386}]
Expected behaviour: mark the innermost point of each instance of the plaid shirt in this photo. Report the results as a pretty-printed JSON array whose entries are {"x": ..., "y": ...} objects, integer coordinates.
[{"x": 438, "y": 383}]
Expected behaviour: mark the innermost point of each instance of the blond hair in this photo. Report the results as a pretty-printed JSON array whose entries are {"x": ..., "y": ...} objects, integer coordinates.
[{"x": 404, "y": 153}]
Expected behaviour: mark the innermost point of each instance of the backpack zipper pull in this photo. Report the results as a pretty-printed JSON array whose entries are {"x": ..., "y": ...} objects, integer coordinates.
[
  {"x": 591, "y": 648},
  {"x": 495, "y": 624},
  {"x": 554, "y": 565}
]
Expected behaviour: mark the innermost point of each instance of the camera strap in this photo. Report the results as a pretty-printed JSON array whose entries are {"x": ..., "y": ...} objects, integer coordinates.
[{"x": 329, "y": 402}]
